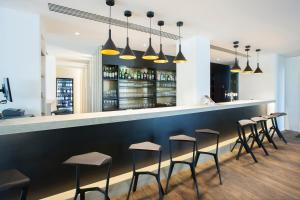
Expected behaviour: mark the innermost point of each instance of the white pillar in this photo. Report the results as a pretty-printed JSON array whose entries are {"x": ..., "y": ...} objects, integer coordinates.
[
  {"x": 20, "y": 59},
  {"x": 193, "y": 77}
]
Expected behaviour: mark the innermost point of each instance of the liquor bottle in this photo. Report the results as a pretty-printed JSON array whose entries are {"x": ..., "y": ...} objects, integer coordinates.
[
  {"x": 121, "y": 74},
  {"x": 152, "y": 76},
  {"x": 135, "y": 75},
  {"x": 116, "y": 73},
  {"x": 138, "y": 75},
  {"x": 126, "y": 74},
  {"x": 148, "y": 75},
  {"x": 104, "y": 73},
  {"x": 144, "y": 76}
]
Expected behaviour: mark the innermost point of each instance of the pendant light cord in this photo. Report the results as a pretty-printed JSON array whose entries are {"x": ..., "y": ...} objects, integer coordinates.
[
  {"x": 150, "y": 27},
  {"x": 160, "y": 34},
  {"x": 127, "y": 26},
  {"x": 109, "y": 17},
  {"x": 179, "y": 36}
]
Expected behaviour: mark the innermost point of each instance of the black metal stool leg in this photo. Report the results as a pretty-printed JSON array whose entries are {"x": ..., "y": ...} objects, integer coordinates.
[
  {"x": 258, "y": 140},
  {"x": 278, "y": 131},
  {"x": 246, "y": 146},
  {"x": 266, "y": 133},
  {"x": 239, "y": 152},
  {"x": 130, "y": 187},
  {"x": 236, "y": 142},
  {"x": 77, "y": 177},
  {"x": 169, "y": 176},
  {"x": 82, "y": 195},
  {"x": 23, "y": 194},
  {"x": 107, "y": 182},
  {"x": 197, "y": 158},
  {"x": 135, "y": 182},
  {"x": 195, "y": 179},
  {"x": 160, "y": 188},
  {"x": 218, "y": 167}
]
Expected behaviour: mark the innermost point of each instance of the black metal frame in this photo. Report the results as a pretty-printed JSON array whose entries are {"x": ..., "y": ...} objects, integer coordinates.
[
  {"x": 243, "y": 140},
  {"x": 265, "y": 133},
  {"x": 23, "y": 194},
  {"x": 191, "y": 164},
  {"x": 135, "y": 176},
  {"x": 215, "y": 155},
  {"x": 81, "y": 192},
  {"x": 274, "y": 128}
]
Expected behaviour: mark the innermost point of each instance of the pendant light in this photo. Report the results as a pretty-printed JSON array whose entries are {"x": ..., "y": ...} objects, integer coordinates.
[
  {"x": 150, "y": 53},
  {"x": 248, "y": 69},
  {"x": 109, "y": 48},
  {"x": 236, "y": 68},
  {"x": 161, "y": 56},
  {"x": 127, "y": 53},
  {"x": 258, "y": 70},
  {"x": 180, "y": 57}
]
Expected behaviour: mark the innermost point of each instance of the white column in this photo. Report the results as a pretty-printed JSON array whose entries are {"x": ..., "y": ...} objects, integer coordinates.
[
  {"x": 193, "y": 77},
  {"x": 20, "y": 58}
]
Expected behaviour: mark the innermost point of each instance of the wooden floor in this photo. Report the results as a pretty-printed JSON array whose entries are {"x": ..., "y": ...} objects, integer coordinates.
[{"x": 274, "y": 177}]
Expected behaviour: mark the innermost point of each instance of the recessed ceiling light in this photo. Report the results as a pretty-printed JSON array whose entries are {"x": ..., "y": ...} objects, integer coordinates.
[
  {"x": 218, "y": 59},
  {"x": 77, "y": 33}
]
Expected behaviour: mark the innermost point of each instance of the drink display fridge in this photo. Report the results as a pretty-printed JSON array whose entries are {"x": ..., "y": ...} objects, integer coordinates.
[{"x": 64, "y": 94}]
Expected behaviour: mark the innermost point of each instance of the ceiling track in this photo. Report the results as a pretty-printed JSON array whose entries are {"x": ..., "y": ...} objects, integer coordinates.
[
  {"x": 107, "y": 20},
  {"x": 227, "y": 51}
]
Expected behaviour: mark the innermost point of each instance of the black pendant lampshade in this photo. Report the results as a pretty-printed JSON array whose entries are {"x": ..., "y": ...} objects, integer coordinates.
[
  {"x": 161, "y": 56},
  {"x": 258, "y": 70},
  {"x": 127, "y": 53},
  {"x": 236, "y": 68},
  {"x": 248, "y": 69},
  {"x": 109, "y": 47},
  {"x": 150, "y": 53},
  {"x": 180, "y": 57}
]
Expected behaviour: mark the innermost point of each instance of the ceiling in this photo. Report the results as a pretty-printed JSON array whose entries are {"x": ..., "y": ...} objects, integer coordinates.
[{"x": 271, "y": 25}]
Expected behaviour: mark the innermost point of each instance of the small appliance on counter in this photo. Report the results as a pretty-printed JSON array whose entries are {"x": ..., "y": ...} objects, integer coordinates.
[{"x": 10, "y": 113}]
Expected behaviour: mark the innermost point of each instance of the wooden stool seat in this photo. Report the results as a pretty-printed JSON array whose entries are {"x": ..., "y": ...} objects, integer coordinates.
[
  {"x": 268, "y": 116},
  {"x": 14, "y": 179},
  {"x": 92, "y": 159},
  {"x": 246, "y": 122},
  {"x": 145, "y": 146},
  {"x": 279, "y": 114},
  {"x": 258, "y": 119},
  {"x": 183, "y": 138},
  {"x": 207, "y": 131}
]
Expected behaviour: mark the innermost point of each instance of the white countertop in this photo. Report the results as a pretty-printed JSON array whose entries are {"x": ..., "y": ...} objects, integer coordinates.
[{"x": 23, "y": 125}]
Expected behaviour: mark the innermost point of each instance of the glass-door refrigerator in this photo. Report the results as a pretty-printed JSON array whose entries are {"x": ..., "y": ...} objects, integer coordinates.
[{"x": 64, "y": 95}]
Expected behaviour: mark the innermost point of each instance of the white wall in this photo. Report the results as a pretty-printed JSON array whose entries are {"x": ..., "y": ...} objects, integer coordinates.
[
  {"x": 292, "y": 93},
  {"x": 268, "y": 85},
  {"x": 50, "y": 77},
  {"x": 193, "y": 77},
  {"x": 20, "y": 58},
  {"x": 77, "y": 75}
]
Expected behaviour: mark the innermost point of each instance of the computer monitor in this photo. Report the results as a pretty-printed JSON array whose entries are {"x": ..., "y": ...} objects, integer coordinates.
[{"x": 6, "y": 90}]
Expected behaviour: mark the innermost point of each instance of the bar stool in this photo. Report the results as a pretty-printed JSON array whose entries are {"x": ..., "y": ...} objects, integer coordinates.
[
  {"x": 243, "y": 140},
  {"x": 186, "y": 139},
  {"x": 145, "y": 146},
  {"x": 13, "y": 179},
  {"x": 216, "y": 134},
  {"x": 275, "y": 127},
  {"x": 264, "y": 130},
  {"x": 90, "y": 159}
]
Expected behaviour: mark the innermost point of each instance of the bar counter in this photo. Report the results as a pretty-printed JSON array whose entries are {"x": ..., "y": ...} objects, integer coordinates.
[
  {"x": 23, "y": 125},
  {"x": 37, "y": 146}
]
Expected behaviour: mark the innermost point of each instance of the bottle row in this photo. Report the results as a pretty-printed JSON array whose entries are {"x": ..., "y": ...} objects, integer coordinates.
[
  {"x": 66, "y": 104},
  {"x": 166, "y": 84},
  {"x": 63, "y": 98},
  {"x": 65, "y": 84},
  {"x": 137, "y": 106},
  {"x": 110, "y": 94},
  {"x": 110, "y": 103},
  {"x": 166, "y": 76},
  {"x": 110, "y": 72},
  {"x": 133, "y": 74},
  {"x": 64, "y": 92}
]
